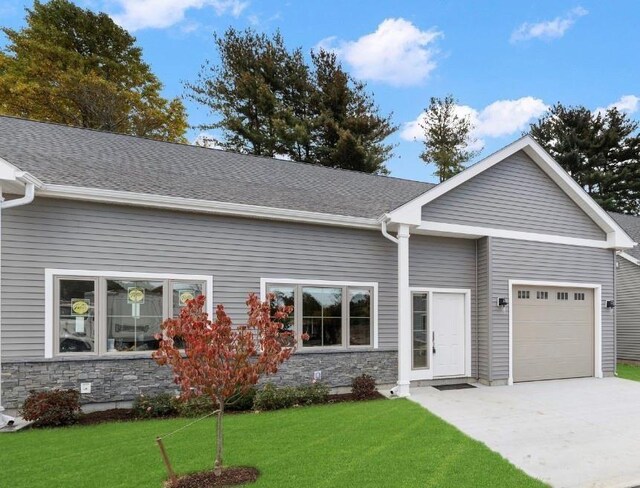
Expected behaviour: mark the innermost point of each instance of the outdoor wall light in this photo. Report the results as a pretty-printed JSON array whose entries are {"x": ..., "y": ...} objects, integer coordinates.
[
  {"x": 503, "y": 302},
  {"x": 611, "y": 304}
]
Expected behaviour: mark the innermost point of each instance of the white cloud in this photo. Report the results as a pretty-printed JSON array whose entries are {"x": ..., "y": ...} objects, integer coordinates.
[
  {"x": 500, "y": 118},
  {"x": 397, "y": 53},
  {"x": 159, "y": 14},
  {"x": 627, "y": 103},
  {"x": 550, "y": 29},
  {"x": 204, "y": 139}
]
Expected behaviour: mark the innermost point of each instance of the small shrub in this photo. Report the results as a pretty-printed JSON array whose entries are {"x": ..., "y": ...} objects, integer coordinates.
[
  {"x": 161, "y": 405},
  {"x": 272, "y": 398},
  {"x": 313, "y": 394},
  {"x": 363, "y": 387},
  {"x": 196, "y": 406},
  {"x": 243, "y": 403},
  {"x": 203, "y": 405},
  {"x": 52, "y": 408}
]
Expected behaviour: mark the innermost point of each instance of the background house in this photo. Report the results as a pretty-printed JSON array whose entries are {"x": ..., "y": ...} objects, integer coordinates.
[{"x": 628, "y": 292}]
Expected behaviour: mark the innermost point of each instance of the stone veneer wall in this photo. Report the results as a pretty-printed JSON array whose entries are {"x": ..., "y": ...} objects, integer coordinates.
[{"x": 122, "y": 379}]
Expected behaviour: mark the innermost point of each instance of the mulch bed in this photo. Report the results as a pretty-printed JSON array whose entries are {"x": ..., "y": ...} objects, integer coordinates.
[
  {"x": 229, "y": 477},
  {"x": 348, "y": 397},
  {"x": 126, "y": 414},
  {"x": 111, "y": 415}
]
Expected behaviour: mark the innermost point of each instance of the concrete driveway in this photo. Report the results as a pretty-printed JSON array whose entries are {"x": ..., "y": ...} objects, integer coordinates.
[{"x": 568, "y": 433}]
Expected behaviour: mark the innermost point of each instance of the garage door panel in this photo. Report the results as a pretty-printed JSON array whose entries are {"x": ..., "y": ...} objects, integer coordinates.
[{"x": 553, "y": 333}]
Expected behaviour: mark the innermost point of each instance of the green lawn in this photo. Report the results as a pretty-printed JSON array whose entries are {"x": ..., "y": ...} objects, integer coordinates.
[
  {"x": 629, "y": 371},
  {"x": 370, "y": 444}
]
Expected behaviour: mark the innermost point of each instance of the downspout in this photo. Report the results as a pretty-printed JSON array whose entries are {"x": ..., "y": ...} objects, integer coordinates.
[
  {"x": 29, "y": 194},
  {"x": 404, "y": 362},
  {"x": 386, "y": 234}
]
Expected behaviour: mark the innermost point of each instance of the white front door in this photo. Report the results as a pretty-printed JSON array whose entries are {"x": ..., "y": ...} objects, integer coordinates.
[{"x": 448, "y": 329}]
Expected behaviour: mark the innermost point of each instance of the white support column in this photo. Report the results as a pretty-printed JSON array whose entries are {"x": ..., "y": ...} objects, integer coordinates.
[
  {"x": 2, "y": 422},
  {"x": 404, "y": 313}
]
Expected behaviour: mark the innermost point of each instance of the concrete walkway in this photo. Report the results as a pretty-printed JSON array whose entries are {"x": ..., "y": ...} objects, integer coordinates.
[{"x": 568, "y": 433}]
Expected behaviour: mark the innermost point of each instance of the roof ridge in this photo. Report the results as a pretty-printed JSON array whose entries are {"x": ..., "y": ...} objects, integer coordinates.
[{"x": 187, "y": 145}]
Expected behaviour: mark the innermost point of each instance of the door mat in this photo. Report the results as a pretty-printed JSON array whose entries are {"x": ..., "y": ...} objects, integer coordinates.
[{"x": 460, "y": 386}]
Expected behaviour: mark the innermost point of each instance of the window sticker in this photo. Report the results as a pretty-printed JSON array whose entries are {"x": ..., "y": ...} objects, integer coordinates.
[
  {"x": 135, "y": 295},
  {"x": 79, "y": 308},
  {"x": 184, "y": 296}
]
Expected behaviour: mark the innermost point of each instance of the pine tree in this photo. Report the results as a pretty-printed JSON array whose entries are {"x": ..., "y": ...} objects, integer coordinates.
[
  {"x": 601, "y": 151},
  {"x": 268, "y": 101},
  {"x": 447, "y": 137},
  {"x": 76, "y": 67},
  {"x": 349, "y": 130}
]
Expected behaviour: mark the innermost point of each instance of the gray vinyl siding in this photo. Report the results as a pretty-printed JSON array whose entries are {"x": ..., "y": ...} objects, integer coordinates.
[
  {"x": 523, "y": 260},
  {"x": 514, "y": 194},
  {"x": 236, "y": 252},
  {"x": 440, "y": 262},
  {"x": 628, "y": 310},
  {"x": 484, "y": 307}
]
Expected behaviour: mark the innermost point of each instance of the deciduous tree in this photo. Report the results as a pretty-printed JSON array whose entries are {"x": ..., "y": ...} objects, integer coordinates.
[
  {"x": 73, "y": 66},
  {"x": 222, "y": 361}
]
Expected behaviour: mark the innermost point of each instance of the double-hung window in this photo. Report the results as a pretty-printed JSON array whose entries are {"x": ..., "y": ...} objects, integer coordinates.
[
  {"x": 331, "y": 315},
  {"x": 99, "y": 314}
]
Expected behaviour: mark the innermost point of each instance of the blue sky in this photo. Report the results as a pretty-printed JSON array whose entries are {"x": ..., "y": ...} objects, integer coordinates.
[{"x": 504, "y": 61}]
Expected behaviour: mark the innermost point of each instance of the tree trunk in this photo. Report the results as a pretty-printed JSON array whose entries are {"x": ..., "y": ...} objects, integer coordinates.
[{"x": 217, "y": 467}]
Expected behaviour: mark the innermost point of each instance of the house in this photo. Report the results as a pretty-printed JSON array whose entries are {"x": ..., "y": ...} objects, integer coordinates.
[
  {"x": 628, "y": 292},
  {"x": 503, "y": 273}
]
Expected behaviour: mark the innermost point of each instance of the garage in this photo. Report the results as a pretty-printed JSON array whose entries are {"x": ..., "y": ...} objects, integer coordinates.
[{"x": 553, "y": 333}]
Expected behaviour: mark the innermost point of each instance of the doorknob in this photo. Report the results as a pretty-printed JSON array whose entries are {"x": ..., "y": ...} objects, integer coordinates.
[{"x": 433, "y": 341}]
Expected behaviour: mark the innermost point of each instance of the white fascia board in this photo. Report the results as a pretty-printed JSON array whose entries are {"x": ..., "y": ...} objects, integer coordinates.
[
  {"x": 473, "y": 232},
  {"x": 411, "y": 212},
  {"x": 8, "y": 172},
  {"x": 204, "y": 206},
  {"x": 629, "y": 258}
]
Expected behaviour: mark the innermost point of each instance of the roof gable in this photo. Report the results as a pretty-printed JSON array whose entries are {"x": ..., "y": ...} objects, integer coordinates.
[
  {"x": 411, "y": 212},
  {"x": 513, "y": 194}
]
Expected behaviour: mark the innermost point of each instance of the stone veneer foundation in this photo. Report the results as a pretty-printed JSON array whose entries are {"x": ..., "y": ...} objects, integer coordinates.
[{"x": 123, "y": 378}]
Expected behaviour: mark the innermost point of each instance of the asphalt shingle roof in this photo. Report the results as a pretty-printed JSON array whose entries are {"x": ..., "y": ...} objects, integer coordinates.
[
  {"x": 58, "y": 154},
  {"x": 631, "y": 225}
]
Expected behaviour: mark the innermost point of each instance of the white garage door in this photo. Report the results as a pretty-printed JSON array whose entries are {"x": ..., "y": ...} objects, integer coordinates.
[{"x": 553, "y": 333}]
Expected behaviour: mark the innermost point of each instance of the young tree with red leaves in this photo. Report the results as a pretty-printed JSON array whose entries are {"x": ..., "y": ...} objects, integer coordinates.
[{"x": 221, "y": 361}]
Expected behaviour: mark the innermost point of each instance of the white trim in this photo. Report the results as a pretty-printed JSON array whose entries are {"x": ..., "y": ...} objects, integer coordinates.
[
  {"x": 440, "y": 228},
  {"x": 597, "y": 306},
  {"x": 304, "y": 282},
  {"x": 206, "y": 206},
  {"x": 411, "y": 212},
  {"x": 49, "y": 300},
  {"x": 427, "y": 373},
  {"x": 629, "y": 258}
]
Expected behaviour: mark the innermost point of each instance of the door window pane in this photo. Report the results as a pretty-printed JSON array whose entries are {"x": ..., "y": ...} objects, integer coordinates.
[
  {"x": 359, "y": 317},
  {"x": 420, "y": 335},
  {"x": 134, "y": 314},
  {"x": 322, "y": 316},
  {"x": 76, "y": 305}
]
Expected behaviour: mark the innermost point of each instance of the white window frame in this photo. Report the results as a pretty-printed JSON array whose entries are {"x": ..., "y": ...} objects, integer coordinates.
[
  {"x": 51, "y": 275},
  {"x": 327, "y": 283},
  {"x": 597, "y": 318}
]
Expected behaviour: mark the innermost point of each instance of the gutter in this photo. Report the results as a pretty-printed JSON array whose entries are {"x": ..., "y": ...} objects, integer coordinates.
[
  {"x": 383, "y": 228},
  {"x": 29, "y": 195}
]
